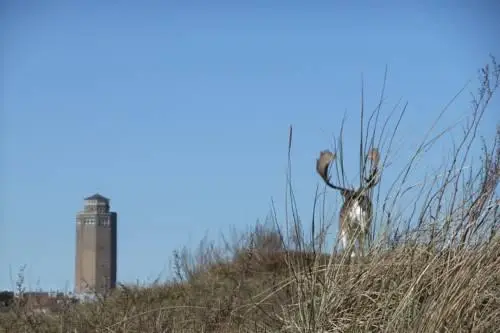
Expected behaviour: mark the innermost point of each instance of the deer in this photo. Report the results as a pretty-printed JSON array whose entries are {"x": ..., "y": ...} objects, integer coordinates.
[{"x": 356, "y": 212}]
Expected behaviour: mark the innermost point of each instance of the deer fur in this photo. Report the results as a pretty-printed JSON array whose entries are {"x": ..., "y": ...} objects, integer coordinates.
[{"x": 356, "y": 213}]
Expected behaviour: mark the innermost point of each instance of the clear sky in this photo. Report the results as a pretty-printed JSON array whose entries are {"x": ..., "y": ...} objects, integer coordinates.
[{"x": 179, "y": 112}]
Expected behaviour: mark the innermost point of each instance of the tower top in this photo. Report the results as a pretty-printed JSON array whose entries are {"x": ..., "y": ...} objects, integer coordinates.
[
  {"x": 97, "y": 197},
  {"x": 96, "y": 203}
]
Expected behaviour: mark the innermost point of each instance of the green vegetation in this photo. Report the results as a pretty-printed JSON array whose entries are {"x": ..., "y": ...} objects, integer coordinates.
[{"x": 436, "y": 269}]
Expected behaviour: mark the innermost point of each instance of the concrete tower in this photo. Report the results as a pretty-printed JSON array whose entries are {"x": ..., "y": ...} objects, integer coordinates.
[{"x": 95, "y": 262}]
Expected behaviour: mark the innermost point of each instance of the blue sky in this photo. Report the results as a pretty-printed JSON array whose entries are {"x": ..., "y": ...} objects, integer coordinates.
[{"x": 179, "y": 112}]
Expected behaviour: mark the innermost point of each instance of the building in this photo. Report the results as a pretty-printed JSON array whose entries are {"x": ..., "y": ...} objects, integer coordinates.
[
  {"x": 96, "y": 247},
  {"x": 42, "y": 301}
]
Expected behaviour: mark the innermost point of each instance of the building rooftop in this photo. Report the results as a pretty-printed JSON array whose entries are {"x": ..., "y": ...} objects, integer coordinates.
[{"x": 98, "y": 197}]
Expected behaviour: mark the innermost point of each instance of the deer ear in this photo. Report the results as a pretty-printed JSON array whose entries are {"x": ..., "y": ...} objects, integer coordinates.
[{"x": 323, "y": 162}]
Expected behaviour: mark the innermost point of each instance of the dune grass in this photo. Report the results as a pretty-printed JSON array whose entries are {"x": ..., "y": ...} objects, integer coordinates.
[{"x": 435, "y": 269}]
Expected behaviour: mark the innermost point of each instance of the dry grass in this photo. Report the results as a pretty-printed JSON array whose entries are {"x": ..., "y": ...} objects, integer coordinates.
[
  {"x": 406, "y": 290},
  {"x": 440, "y": 275}
]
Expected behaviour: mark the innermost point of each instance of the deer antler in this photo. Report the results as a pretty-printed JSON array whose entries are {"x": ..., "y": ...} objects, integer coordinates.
[
  {"x": 373, "y": 178},
  {"x": 374, "y": 155},
  {"x": 323, "y": 162},
  {"x": 322, "y": 166}
]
